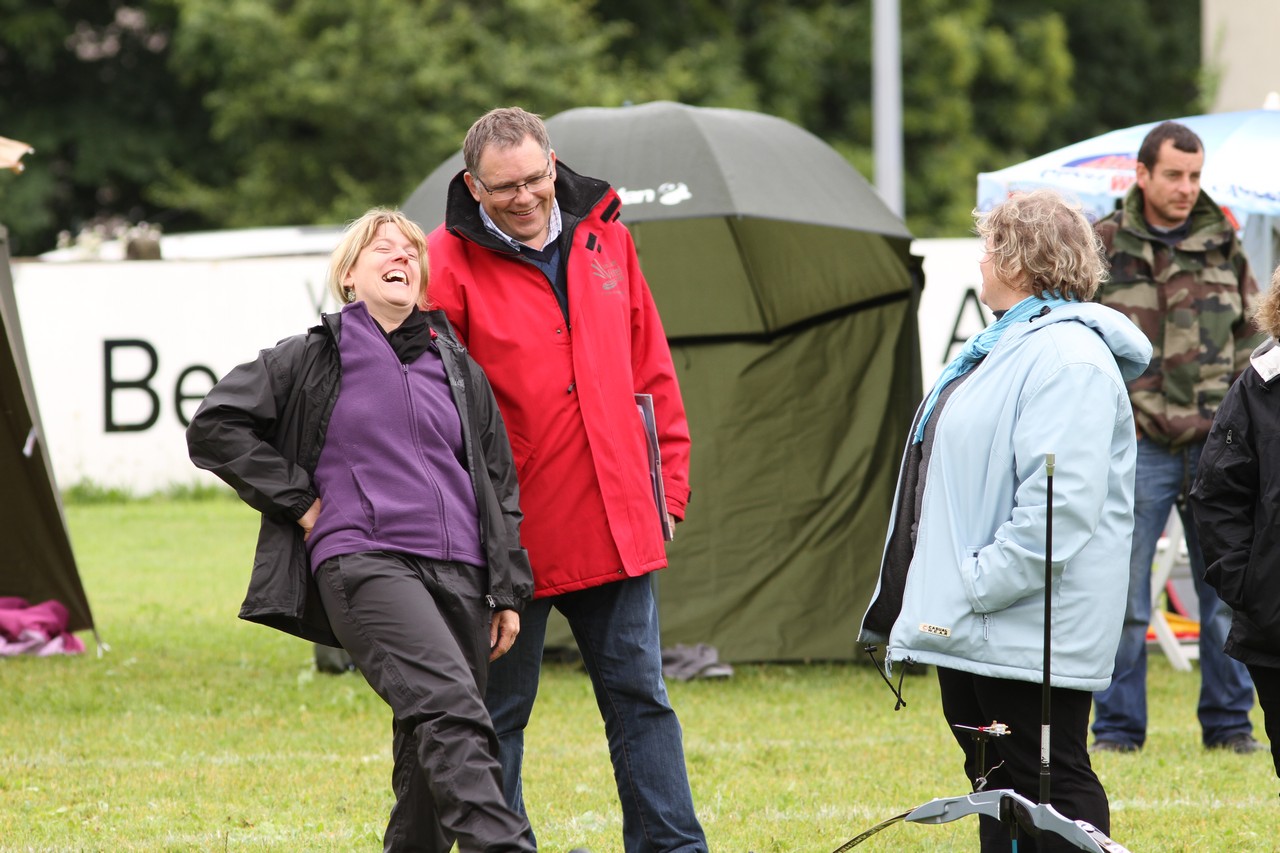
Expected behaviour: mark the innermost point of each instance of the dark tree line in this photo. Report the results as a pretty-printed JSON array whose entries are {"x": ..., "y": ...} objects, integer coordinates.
[{"x": 229, "y": 113}]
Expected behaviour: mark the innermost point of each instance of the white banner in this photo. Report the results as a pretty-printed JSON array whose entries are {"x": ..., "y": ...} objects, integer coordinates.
[
  {"x": 949, "y": 308},
  {"x": 122, "y": 352}
]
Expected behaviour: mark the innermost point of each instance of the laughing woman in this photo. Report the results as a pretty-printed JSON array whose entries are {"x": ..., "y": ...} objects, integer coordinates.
[{"x": 374, "y": 450}]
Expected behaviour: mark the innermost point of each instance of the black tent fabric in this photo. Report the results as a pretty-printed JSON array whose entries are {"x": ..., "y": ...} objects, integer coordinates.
[
  {"x": 788, "y": 294},
  {"x": 38, "y": 562}
]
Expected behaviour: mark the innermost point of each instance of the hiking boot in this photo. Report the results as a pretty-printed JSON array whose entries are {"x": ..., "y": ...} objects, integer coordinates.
[
  {"x": 1113, "y": 746},
  {"x": 1241, "y": 744}
]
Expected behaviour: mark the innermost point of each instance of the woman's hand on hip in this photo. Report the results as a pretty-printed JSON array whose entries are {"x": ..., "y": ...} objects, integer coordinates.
[{"x": 308, "y": 519}]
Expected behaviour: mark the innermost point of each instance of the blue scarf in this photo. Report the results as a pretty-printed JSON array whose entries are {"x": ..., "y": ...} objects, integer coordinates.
[{"x": 977, "y": 347}]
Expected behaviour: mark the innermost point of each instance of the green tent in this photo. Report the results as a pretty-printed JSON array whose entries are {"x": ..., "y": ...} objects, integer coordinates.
[
  {"x": 789, "y": 296},
  {"x": 38, "y": 564}
]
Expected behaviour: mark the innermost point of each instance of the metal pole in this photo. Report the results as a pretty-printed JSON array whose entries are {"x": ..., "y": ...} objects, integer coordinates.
[
  {"x": 886, "y": 102},
  {"x": 1048, "y": 612}
]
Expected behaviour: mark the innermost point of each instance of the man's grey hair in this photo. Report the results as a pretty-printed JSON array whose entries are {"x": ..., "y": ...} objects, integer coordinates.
[{"x": 505, "y": 127}]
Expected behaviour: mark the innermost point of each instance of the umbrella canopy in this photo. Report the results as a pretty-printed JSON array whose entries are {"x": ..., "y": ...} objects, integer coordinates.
[
  {"x": 1241, "y": 169},
  {"x": 730, "y": 209}
]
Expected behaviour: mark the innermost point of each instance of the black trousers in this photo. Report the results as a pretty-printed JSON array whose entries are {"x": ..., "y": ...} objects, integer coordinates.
[
  {"x": 1074, "y": 789},
  {"x": 418, "y": 630},
  {"x": 1266, "y": 680}
]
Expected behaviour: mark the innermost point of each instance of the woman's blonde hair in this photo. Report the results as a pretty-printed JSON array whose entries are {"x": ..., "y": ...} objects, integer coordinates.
[
  {"x": 1267, "y": 317},
  {"x": 359, "y": 234},
  {"x": 1043, "y": 244}
]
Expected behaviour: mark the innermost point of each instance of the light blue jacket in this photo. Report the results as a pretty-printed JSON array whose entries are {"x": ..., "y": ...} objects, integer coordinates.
[{"x": 973, "y": 598}]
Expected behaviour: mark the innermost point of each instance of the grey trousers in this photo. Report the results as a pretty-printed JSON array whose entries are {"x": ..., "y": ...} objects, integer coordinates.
[{"x": 418, "y": 630}]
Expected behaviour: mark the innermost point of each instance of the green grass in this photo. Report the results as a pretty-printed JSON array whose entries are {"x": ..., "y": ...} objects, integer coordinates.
[{"x": 201, "y": 732}]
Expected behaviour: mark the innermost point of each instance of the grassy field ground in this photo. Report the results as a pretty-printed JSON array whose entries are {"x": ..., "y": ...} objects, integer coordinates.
[{"x": 199, "y": 732}]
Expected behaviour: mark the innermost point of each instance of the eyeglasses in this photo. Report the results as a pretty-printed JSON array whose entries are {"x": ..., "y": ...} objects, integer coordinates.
[{"x": 509, "y": 191}]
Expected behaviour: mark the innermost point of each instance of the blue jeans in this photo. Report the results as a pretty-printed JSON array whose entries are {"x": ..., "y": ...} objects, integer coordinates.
[
  {"x": 616, "y": 628},
  {"x": 1226, "y": 691}
]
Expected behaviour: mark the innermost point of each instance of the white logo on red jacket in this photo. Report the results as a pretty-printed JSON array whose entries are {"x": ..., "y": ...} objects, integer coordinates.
[{"x": 609, "y": 271}]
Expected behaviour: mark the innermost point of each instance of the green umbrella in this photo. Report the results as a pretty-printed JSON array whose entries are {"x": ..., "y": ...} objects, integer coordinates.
[{"x": 745, "y": 223}]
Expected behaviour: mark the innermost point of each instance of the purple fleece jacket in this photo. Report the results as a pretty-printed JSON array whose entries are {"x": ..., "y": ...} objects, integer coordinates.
[{"x": 392, "y": 474}]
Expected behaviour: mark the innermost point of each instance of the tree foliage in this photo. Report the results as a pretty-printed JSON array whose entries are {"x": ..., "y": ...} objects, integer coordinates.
[
  {"x": 223, "y": 113},
  {"x": 974, "y": 86},
  {"x": 86, "y": 83},
  {"x": 323, "y": 107}
]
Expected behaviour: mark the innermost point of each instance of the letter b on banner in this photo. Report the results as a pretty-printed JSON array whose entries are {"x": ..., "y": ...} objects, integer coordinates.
[{"x": 142, "y": 384}]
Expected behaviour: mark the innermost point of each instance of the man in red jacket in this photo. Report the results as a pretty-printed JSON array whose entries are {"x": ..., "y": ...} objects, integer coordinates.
[{"x": 542, "y": 284}]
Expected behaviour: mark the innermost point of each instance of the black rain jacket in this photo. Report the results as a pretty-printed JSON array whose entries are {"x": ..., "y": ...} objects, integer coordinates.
[
  {"x": 261, "y": 429},
  {"x": 1236, "y": 502}
]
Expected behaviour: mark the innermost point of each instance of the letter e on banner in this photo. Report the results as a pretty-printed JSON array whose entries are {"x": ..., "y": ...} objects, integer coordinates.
[{"x": 181, "y": 395}]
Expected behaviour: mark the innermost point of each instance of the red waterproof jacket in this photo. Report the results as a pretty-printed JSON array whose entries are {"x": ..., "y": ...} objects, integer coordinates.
[{"x": 567, "y": 391}]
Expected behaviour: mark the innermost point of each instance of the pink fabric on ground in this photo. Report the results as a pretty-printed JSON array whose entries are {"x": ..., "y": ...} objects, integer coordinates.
[{"x": 39, "y": 629}]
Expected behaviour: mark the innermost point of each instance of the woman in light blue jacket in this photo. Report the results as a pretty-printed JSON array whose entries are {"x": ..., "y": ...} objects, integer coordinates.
[{"x": 962, "y": 578}]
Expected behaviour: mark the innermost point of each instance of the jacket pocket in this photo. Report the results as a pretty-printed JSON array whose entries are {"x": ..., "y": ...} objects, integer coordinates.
[
  {"x": 968, "y": 570},
  {"x": 366, "y": 505},
  {"x": 1223, "y": 443}
]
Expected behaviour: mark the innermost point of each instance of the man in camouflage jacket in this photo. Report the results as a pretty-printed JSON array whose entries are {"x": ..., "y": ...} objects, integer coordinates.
[{"x": 1179, "y": 273}]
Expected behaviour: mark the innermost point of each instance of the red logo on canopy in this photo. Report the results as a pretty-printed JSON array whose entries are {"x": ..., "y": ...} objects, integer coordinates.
[
  {"x": 1118, "y": 162},
  {"x": 1121, "y": 183}
]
